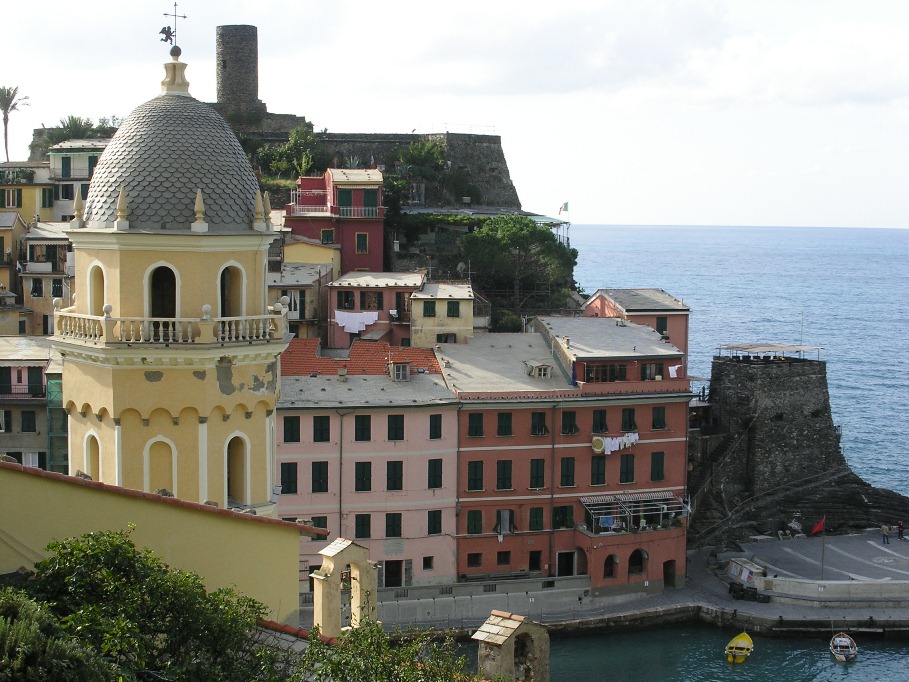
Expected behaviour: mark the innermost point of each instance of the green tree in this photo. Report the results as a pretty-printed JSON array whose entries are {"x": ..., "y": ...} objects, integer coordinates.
[
  {"x": 293, "y": 158},
  {"x": 369, "y": 653},
  {"x": 150, "y": 621},
  {"x": 9, "y": 102},
  {"x": 516, "y": 253},
  {"x": 33, "y": 646},
  {"x": 71, "y": 128},
  {"x": 424, "y": 160}
]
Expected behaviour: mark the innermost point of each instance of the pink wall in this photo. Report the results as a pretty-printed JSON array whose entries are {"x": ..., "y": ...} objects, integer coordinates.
[
  {"x": 341, "y": 503},
  {"x": 338, "y": 338}
]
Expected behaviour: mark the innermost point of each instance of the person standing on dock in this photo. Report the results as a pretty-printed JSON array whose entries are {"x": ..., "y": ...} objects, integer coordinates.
[
  {"x": 885, "y": 533},
  {"x": 899, "y": 530}
]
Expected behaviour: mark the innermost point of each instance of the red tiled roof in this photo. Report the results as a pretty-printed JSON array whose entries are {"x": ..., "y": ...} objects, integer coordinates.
[
  {"x": 128, "y": 492},
  {"x": 366, "y": 357},
  {"x": 293, "y": 631}
]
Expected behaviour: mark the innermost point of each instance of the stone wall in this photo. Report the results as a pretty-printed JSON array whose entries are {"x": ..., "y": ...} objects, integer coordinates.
[
  {"x": 480, "y": 156},
  {"x": 779, "y": 411}
]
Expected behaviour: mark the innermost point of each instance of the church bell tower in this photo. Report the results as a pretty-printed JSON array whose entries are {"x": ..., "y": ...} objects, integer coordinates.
[{"x": 171, "y": 352}]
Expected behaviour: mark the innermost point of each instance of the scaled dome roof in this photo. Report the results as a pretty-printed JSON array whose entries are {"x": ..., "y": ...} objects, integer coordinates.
[{"x": 163, "y": 152}]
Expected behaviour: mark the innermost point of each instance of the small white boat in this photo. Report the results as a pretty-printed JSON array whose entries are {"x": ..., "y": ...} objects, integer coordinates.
[{"x": 843, "y": 647}]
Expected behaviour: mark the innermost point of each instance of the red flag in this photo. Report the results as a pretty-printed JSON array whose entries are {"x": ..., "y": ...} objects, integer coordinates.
[{"x": 819, "y": 526}]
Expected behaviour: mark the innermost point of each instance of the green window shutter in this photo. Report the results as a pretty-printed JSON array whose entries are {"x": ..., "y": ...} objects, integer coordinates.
[
  {"x": 2, "y": 198},
  {"x": 345, "y": 197},
  {"x": 370, "y": 198},
  {"x": 19, "y": 198}
]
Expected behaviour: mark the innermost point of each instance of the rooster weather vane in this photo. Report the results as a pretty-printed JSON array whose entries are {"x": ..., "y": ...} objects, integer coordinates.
[{"x": 170, "y": 34}]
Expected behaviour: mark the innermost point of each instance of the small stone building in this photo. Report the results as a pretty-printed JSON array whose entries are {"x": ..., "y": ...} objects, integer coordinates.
[{"x": 511, "y": 647}]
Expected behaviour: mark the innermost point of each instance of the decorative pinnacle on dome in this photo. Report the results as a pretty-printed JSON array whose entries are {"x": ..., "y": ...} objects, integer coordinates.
[{"x": 175, "y": 82}]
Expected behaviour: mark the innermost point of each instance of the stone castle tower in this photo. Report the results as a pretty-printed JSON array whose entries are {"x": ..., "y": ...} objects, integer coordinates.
[
  {"x": 237, "y": 58},
  {"x": 171, "y": 352}
]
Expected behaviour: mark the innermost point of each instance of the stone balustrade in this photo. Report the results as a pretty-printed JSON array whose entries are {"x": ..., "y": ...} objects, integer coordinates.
[{"x": 108, "y": 330}]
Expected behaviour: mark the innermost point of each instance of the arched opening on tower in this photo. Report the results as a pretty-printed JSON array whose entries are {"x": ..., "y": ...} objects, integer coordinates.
[
  {"x": 93, "y": 457},
  {"x": 230, "y": 289},
  {"x": 96, "y": 291},
  {"x": 161, "y": 474},
  {"x": 237, "y": 457},
  {"x": 163, "y": 293},
  {"x": 162, "y": 303}
]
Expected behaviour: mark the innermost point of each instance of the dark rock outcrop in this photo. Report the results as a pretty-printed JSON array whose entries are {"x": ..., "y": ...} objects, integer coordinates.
[{"x": 765, "y": 457}]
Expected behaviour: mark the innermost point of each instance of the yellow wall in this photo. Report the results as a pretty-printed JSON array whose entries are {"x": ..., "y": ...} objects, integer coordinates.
[
  {"x": 258, "y": 558},
  {"x": 423, "y": 330},
  {"x": 9, "y": 321},
  {"x": 31, "y": 201},
  {"x": 196, "y": 262},
  {"x": 170, "y": 448},
  {"x": 302, "y": 252}
]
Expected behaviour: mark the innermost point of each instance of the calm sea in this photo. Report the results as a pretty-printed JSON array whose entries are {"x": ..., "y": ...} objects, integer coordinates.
[{"x": 845, "y": 290}]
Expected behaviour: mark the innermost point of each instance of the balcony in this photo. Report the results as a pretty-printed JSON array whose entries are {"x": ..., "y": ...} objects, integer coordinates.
[
  {"x": 22, "y": 392},
  {"x": 105, "y": 330},
  {"x": 301, "y": 209},
  {"x": 359, "y": 211},
  {"x": 331, "y": 210}
]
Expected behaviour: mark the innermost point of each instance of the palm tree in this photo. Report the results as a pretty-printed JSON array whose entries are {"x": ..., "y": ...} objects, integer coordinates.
[{"x": 9, "y": 102}]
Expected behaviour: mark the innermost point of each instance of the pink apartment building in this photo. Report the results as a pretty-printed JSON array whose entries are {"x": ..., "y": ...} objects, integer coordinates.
[
  {"x": 557, "y": 452},
  {"x": 367, "y": 448}
]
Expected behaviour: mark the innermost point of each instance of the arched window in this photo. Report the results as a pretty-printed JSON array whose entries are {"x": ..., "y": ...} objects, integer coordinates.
[
  {"x": 637, "y": 562},
  {"x": 230, "y": 292},
  {"x": 609, "y": 566},
  {"x": 237, "y": 474},
  {"x": 96, "y": 291},
  {"x": 93, "y": 457},
  {"x": 160, "y": 464},
  {"x": 163, "y": 293}
]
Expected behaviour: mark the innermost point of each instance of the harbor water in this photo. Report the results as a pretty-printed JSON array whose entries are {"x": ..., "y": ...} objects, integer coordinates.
[{"x": 696, "y": 653}]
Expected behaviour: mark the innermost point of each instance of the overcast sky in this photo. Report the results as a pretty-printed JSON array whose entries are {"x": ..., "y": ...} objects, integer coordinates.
[{"x": 769, "y": 112}]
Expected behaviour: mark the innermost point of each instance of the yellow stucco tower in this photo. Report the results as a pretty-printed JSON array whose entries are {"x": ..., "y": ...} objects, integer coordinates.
[{"x": 171, "y": 351}]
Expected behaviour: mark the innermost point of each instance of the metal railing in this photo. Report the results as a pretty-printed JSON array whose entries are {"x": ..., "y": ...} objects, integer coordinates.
[
  {"x": 21, "y": 392},
  {"x": 300, "y": 209},
  {"x": 358, "y": 211}
]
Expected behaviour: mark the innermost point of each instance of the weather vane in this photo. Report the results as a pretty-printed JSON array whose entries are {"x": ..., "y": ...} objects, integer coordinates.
[{"x": 170, "y": 34}]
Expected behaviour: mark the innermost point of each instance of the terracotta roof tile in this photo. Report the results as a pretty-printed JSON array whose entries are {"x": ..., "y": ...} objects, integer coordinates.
[{"x": 366, "y": 357}]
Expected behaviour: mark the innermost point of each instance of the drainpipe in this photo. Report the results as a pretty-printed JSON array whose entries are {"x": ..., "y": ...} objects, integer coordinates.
[
  {"x": 341, "y": 414},
  {"x": 552, "y": 490},
  {"x": 457, "y": 483}
]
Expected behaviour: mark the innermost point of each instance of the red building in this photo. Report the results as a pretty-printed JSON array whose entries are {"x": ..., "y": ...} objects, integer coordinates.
[
  {"x": 343, "y": 207},
  {"x": 572, "y": 453},
  {"x": 371, "y": 305},
  {"x": 652, "y": 307}
]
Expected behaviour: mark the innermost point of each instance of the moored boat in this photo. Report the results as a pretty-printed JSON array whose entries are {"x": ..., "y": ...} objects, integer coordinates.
[
  {"x": 843, "y": 647},
  {"x": 739, "y": 648}
]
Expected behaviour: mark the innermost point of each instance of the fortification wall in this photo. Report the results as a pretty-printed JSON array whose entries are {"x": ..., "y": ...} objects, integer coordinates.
[
  {"x": 480, "y": 157},
  {"x": 780, "y": 411}
]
